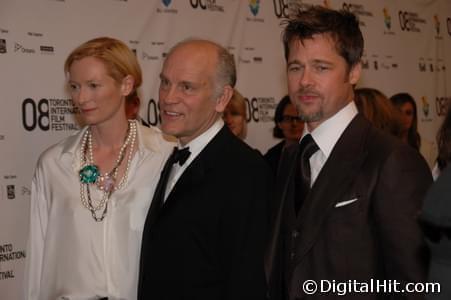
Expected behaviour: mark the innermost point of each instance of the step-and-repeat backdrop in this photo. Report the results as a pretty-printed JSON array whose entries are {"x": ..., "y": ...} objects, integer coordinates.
[{"x": 408, "y": 47}]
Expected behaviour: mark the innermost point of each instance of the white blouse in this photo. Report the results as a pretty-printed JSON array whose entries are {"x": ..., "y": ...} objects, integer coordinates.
[{"x": 70, "y": 255}]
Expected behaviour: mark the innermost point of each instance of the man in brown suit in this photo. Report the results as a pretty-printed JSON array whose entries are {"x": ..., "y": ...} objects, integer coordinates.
[{"x": 349, "y": 194}]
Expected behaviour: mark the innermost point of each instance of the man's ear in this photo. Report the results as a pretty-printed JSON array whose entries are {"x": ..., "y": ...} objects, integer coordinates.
[
  {"x": 354, "y": 73},
  {"x": 224, "y": 98},
  {"x": 127, "y": 85}
]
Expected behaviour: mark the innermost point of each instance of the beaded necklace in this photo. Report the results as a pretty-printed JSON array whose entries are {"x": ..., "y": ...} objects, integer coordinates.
[{"x": 106, "y": 183}]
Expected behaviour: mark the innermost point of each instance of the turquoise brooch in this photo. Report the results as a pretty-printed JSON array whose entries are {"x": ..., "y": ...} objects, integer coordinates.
[{"x": 89, "y": 174}]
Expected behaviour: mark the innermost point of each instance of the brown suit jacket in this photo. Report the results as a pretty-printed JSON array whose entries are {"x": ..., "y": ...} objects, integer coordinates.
[{"x": 375, "y": 237}]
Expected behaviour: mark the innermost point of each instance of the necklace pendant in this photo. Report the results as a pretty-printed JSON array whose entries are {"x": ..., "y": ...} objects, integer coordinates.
[
  {"x": 89, "y": 174},
  {"x": 106, "y": 183}
]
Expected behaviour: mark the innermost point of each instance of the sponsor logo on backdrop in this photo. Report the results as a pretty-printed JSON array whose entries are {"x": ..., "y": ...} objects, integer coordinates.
[
  {"x": 254, "y": 7},
  {"x": 283, "y": 7},
  {"x": 439, "y": 65},
  {"x": 359, "y": 10},
  {"x": 370, "y": 62},
  {"x": 52, "y": 114},
  {"x": 258, "y": 59},
  {"x": 248, "y": 56},
  {"x": 378, "y": 62},
  {"x": 422, "y": 65},
  {"x": 2, "y": 137},
  {"x": 410, "y": 21},
  {"x": 47, "y": 49},
  {"x": 388, "y": 63},
  {"x": 154, "y": 53},
  {"x": 8, "y": 253},
  {"x": 426, "y": 109},
  {"x": 244, "y": 60},
  {"x": 431, "y": 65},
  {"x": 3, "y": 30},
  {"x": 437, "y": 24},
  {"x": 260, "y": 109},
  {"x": 2, "y": 46},
  {"x": 147, "y": 56},
  {"x": 448, "y": 25},
  {"x": 10, "y": 188},
  {"x": 425, "y": 106},
  {"x": 25, "y": 191},
  {"x": 134, "y": 44},
  {"x": 387, "y": 22},
  {"x": 441, "y": 105},
  {"x": 11, "y": 191},
  {"x": 211, "y": 5},
  {"x": 35, "y": 34},
  {"x": 365, "y": 64},
  {"x": 166, "y": 8},
  {"x": 20, "y": 48}
]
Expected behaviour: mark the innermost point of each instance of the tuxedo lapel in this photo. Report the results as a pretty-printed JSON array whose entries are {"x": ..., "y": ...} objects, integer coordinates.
[
  {"x": 197, "y": 171},
  {"x": 191, "y": 177},
  {"x": 332, "y": 183},
  {"x": 158, "y": 196}
]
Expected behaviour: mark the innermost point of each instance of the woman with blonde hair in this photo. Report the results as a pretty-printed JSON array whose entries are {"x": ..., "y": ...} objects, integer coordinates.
[
  {"x": 235, "y": 115},
  {"x": 91, "y": 191}
]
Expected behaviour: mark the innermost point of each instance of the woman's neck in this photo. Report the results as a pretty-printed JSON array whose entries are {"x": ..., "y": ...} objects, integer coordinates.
[{"x": 109, "y": 135}]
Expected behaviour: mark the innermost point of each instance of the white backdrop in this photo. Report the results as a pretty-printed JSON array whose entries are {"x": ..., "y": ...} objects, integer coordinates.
[{"x": 408, "y": 45}]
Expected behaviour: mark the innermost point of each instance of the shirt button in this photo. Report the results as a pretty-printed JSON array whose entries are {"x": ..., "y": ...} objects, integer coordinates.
[
  {"x": 292, "y": 255},
  {"x": 294, "y": 234}
]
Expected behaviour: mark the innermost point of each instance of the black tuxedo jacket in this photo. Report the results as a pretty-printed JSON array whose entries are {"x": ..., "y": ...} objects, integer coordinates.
[
  {"x": 273, "y": 155},
  {"x": 208, "y": 240},
  {"x": 359, "y": 221}
]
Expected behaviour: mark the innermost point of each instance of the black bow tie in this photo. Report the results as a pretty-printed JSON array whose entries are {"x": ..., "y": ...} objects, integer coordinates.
[{"x": 180, "y": 155}]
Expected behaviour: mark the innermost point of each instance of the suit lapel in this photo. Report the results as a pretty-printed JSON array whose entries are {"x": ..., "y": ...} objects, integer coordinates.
[
  {"x": 332, "y": 183},
  {"x": 284, "y": 188}
]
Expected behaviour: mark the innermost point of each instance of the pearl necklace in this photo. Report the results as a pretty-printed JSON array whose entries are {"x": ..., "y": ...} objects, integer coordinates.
[{"x": 106, "y": 183}]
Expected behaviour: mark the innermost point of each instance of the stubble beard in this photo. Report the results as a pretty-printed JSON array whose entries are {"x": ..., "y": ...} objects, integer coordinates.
[{"x": 310, "y": 117}]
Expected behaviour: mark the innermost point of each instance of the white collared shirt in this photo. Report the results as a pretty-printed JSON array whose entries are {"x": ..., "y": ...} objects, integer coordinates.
[
  {"x": 195, "y": 147},
  {"x": 70, "y": 255},
  {"x": 326, "y": 136}
]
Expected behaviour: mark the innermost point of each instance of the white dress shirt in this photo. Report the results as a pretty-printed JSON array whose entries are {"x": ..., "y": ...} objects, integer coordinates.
[
  {"x": 326, "y": 136},
  {"x": 70, "y": 255},
  {"x": 195, "y": 147}
]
